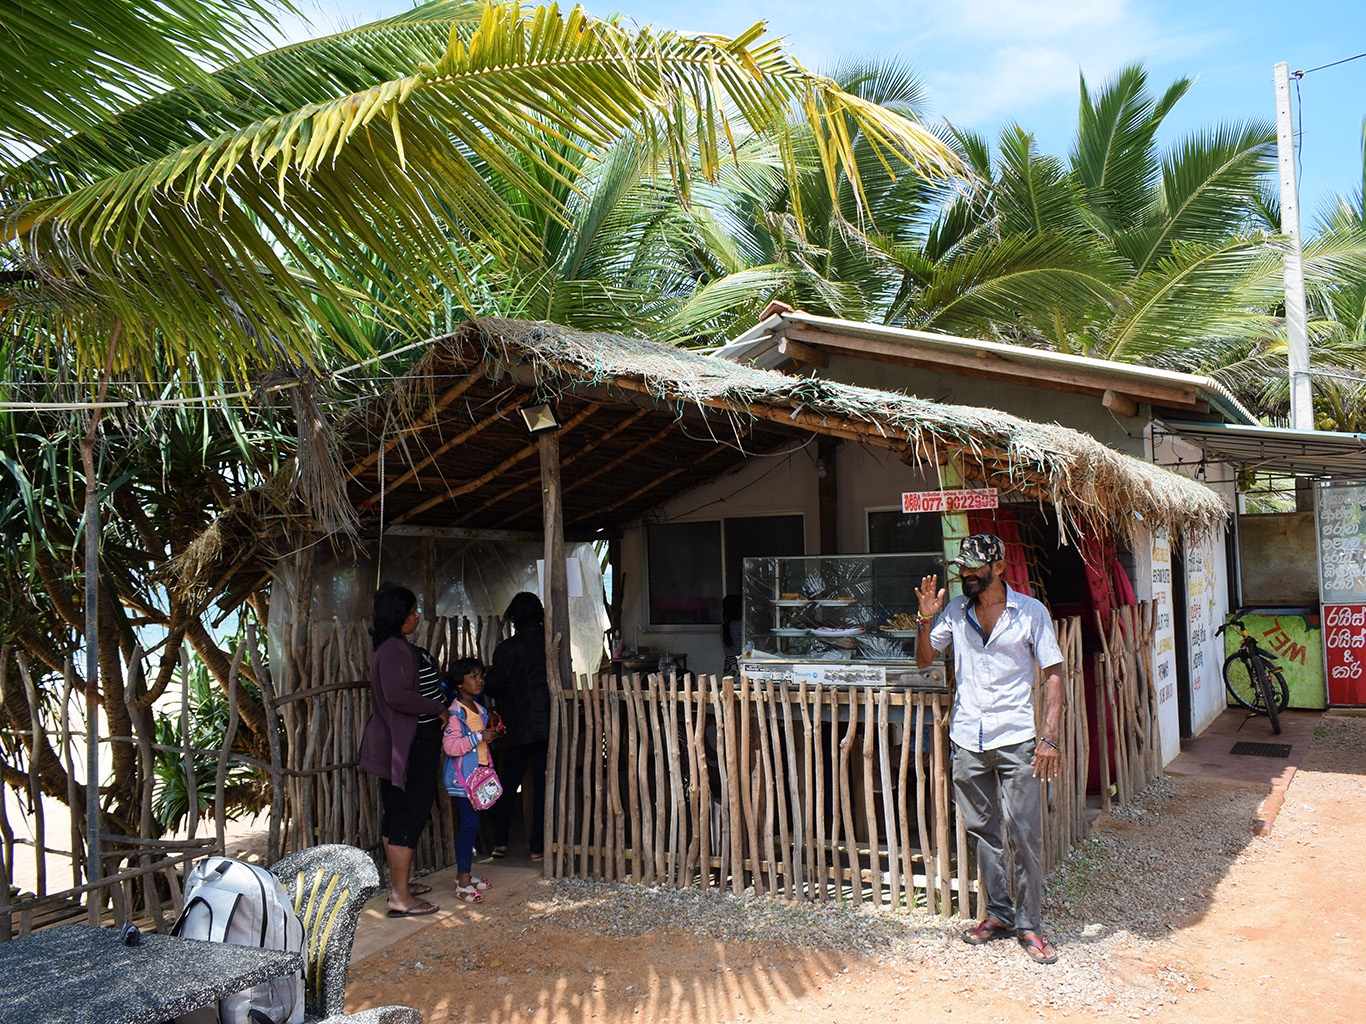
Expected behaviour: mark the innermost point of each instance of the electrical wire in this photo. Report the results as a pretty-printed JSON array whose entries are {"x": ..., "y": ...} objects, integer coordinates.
[{"x": 1322, "y": 67}]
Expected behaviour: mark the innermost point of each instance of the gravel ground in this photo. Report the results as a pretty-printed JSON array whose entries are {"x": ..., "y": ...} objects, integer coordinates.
[{"x": 1114, "y": 900}]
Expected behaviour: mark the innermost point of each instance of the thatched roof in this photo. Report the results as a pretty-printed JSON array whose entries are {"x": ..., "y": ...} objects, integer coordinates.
[
  {"x": 645, "y": 422},
  {"x": 606, "y": 379}
]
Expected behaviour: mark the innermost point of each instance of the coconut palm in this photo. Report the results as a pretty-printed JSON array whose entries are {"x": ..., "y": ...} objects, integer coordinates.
[
  {"x": 1118, "y": 252},
  {"x": 69, "y": 67},
  {"x": 202, "y": 222}
]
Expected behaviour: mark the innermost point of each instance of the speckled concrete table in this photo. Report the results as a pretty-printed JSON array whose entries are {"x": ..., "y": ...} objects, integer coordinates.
[{"x": 72, "y": 974}]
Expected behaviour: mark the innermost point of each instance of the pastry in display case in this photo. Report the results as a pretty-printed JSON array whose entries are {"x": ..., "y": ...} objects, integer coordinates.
[{"x": 833, "y": 608}]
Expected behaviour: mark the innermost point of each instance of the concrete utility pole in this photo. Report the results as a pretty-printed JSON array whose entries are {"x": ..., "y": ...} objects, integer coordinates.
[{"x": 1296, "y": 316}]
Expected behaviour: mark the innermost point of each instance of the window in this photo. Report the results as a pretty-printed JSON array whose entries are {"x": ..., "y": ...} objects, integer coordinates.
[
  {"x": 692, "y": 566},
  {"x": 891, "y": 531}
]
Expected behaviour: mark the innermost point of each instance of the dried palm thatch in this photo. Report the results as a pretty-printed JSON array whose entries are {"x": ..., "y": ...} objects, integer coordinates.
[
  {"x": 486, "y": 361},
  {"x": 1087, "y": 482}
]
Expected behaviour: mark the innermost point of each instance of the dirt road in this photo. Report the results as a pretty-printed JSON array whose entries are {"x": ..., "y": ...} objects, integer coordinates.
[{"x": 1176, "y": 912}]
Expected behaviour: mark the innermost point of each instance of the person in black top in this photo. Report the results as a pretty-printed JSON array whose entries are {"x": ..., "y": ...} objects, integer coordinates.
[{"x": 517, "y": 687}]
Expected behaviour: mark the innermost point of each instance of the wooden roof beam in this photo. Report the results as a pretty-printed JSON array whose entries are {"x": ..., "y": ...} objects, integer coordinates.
[
  {"x": 568, "y": 461},
  {"x": 471, "y": 485},
  {"x": 653, "y": 439},
  {"x": 656, "y": 482},
  {"x": 802, "y": 354},
  {"x": 417, "y": 425},
  {"x": 433, "y": 455}
]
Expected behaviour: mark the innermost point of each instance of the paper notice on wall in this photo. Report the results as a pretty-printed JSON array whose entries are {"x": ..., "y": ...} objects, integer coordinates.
[{"x": 839, "y": 673}]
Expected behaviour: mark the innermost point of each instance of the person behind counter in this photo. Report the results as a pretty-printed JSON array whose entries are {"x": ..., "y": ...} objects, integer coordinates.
[
  {"x": 402, "y": 741},
  {"x": 518, "y": 689},
  {"x": 466, "y": 741}
]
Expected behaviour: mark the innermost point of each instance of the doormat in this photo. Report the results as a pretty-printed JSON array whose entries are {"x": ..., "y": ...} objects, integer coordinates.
[{"x": 1261, "y": 749}]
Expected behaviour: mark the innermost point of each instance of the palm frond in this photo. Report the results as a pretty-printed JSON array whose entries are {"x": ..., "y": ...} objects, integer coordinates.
[
  {"x": 387, "y": 174},
  {"x": 70, "y": 66}
]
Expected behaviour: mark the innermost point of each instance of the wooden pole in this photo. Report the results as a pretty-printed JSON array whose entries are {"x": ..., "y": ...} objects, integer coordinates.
[{"x": 556, "y": 580}]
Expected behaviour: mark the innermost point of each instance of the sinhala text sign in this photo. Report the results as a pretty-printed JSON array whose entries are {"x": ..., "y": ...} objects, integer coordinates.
[
  {"x": 1341, "y": 516},
  {"x": 949, "y": 501}
]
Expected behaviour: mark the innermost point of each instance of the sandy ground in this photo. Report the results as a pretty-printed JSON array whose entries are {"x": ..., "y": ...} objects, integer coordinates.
[{"x": 1271, "y": 936}]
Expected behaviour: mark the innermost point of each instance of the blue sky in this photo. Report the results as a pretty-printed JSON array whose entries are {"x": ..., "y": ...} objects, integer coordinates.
[{"x": 989, "y": 62}]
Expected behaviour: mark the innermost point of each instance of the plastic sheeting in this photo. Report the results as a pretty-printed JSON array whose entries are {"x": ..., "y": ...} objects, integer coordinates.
[{"x": 451, "y": 578}]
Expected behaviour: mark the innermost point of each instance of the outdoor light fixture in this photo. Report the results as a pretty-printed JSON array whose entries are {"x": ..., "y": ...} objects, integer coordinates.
[{"x": 539, "y": 418}]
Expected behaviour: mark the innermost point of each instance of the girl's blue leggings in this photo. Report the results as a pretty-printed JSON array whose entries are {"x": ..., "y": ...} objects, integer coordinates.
[{"x": 464, "y": 838}]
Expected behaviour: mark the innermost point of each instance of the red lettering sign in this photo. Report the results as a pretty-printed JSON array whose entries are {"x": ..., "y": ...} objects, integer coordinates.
[
  {"x": 949, "y": 501},
  {"x": 1344, "y": 644}
]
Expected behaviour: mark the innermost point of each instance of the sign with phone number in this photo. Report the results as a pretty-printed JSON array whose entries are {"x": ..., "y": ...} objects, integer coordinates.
[
  {"x": 949, "y": 501},
  {"x": 1344, "y": 650}
]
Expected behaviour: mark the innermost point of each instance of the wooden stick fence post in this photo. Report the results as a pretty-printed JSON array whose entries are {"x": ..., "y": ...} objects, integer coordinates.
[
  {"x": 735, "y": 789},
  {"x": 550, "y": 866},
  {"x": 889, "y": 798},
  {"x": 847, "y": 802}
]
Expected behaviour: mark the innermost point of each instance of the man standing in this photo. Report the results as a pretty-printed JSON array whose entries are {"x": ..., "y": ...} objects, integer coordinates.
[{"x": 1000, "y": 638}]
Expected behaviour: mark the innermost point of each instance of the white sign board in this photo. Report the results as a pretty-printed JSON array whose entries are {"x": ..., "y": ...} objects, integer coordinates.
[
  {"x": 949, "y": 501},
  {"x": 839, "y": 673},
  {"x": 1155, "y": 575},
  {"x": 571, "y": 570},
  {"x": 1206, "y": 607}
]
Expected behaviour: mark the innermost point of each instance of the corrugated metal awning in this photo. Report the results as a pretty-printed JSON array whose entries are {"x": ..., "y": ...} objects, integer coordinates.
[{"x": 1313, "y": 453}]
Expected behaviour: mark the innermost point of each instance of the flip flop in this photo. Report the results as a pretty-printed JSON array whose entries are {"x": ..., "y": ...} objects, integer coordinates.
[
  {"x": 419, "y": 889},
  {"x": 421, "y": 909},
  {"x": 538, "y": 856},
  {"x": 988, "y": 931},
  {"x": 1037, "y": 947},
  {"x": 498, "y": 851}
]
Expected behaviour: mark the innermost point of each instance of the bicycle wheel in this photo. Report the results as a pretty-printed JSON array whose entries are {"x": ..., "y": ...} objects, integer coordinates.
[
  {"x": 1240, "y": 681},
  {"x": 1267, "y": 696},
  {"x": 1279, "y": 687}
]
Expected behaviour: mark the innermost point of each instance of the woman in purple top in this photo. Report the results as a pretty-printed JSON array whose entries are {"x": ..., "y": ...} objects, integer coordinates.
[{"x": 402, "y": 741}]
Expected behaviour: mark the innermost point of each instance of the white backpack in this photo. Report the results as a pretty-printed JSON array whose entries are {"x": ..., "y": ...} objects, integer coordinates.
[{"x": 232, "y": 901}]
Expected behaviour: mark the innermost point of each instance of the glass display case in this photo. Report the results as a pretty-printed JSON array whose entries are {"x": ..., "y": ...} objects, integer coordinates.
[{"x": 830, "y": 610}]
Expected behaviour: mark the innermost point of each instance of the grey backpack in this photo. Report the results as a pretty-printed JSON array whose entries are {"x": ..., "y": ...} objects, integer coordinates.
[{"x": 229, "y": 900}]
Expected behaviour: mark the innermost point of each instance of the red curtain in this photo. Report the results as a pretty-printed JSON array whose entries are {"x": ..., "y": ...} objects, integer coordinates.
[{"x": 1002, "y": 522}]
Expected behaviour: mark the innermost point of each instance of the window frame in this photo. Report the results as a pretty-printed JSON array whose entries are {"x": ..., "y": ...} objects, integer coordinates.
[{"x": 647, "y": 622}]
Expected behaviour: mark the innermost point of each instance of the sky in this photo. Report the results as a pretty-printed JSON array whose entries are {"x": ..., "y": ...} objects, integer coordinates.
[{"x": 986, "y": 63}]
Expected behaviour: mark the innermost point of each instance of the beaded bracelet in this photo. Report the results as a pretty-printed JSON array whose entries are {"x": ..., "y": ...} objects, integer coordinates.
[{"x": 922, "y": 619}]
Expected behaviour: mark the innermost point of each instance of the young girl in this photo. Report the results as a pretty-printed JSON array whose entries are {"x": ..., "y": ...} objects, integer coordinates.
[{"x": 466, "y": 741}]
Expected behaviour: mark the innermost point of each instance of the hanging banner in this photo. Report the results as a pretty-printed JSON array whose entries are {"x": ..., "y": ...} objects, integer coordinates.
[{"x": 949, "y": 501}]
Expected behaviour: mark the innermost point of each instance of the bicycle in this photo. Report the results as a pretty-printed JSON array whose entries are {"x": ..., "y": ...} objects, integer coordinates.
[{"x": 1253, "y": 678}]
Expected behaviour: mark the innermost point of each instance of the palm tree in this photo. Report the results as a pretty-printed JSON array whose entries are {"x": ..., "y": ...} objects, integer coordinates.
[
  {"x": 221, "y": 226},
  {"x": 69, "y": 68},
  {"x": 1118, "y": 252}
]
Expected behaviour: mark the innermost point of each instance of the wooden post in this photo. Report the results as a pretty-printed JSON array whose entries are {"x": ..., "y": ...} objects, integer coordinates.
[{"x": 556, "y": 586}]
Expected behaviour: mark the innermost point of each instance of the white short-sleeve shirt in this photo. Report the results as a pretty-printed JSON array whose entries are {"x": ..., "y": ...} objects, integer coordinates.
[{"x": 993, "y": 700}]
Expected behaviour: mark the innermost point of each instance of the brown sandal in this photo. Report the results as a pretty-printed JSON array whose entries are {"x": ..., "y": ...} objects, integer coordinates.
[{"x": 988, "y": 931}]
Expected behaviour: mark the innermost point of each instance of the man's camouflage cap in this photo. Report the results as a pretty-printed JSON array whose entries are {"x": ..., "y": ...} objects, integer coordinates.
[{"x": 978, "y": 550}]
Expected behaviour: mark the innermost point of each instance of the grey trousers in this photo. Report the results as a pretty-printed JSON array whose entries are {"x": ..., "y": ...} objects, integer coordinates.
[{"x": 996, "y": 787}]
